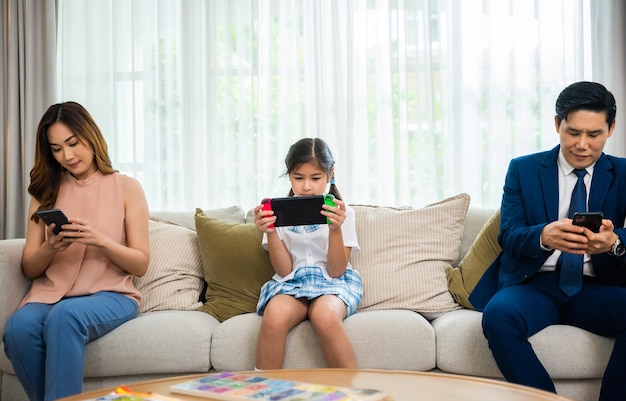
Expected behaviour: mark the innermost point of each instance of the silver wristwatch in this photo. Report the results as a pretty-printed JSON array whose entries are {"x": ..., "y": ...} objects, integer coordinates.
[{"x": 618, "y": 249}]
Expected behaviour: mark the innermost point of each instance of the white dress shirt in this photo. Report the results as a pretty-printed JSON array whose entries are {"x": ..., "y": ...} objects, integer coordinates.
[{"x": 567, "y": 181}]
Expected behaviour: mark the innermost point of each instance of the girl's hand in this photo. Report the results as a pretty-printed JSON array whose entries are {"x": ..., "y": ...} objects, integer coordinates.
[
  {"x": 264, "y": 219},
  {"x": 336, "y": 214}
]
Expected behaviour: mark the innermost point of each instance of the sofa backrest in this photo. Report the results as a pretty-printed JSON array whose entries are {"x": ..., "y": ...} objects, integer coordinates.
[{"x": 476, "y": 218}]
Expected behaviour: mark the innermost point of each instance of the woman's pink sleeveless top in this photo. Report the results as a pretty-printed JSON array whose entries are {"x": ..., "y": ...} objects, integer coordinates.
[{"x": 81, "y": 269}]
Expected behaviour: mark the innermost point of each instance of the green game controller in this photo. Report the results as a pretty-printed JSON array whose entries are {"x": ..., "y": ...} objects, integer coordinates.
[{"x": 329, "y": 200}]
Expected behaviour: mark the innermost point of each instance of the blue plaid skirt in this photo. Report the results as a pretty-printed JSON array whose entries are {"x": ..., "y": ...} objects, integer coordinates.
[{"x": 309, "y": 282}]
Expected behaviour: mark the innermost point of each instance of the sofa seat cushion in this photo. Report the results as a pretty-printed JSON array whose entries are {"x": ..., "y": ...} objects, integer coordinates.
[
  {"x": 389, "y": 339},
  {"x": 162, "y": 342},
  {"x": 154, "y": 342},
  {"x": 567, "y": 352}
]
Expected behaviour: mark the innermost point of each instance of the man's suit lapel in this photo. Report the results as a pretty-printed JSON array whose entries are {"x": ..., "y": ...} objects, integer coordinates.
[
  {"x": 602, "y": 177},
  {"x": 548, "y": 177}
]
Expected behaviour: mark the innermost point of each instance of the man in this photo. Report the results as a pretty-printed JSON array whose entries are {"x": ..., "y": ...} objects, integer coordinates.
[{"x": 552, "y": 271}]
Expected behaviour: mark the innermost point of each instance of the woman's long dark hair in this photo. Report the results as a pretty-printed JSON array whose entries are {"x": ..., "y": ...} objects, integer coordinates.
[{"x": 46, "y": 174}]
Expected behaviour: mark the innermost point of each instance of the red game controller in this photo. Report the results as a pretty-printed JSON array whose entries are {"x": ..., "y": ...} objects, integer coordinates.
[{"x": 267, "y": 205}]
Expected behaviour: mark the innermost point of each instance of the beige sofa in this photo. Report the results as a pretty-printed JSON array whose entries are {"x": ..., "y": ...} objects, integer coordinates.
[{"x": 175, "y": 342}]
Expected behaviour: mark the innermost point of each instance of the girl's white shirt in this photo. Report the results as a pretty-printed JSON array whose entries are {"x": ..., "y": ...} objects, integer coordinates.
[{"x": 311, "y": 248}]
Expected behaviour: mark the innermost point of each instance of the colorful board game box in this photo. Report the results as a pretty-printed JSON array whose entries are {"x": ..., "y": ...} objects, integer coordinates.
[
  {"x": 123, "y": 393},
  {"x": 237, "y": 387}
]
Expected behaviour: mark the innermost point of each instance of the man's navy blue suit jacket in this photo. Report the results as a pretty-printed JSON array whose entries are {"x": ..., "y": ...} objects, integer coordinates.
[{"x": 531, "y": 201}]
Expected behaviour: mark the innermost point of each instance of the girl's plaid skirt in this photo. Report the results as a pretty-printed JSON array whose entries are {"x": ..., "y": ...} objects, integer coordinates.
[{"x": 309, "y": 282}]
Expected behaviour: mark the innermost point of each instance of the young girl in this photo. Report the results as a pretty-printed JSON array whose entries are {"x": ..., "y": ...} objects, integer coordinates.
[
  {"x": 313, "y": 279},
  {"x": 82, "y": 277}
]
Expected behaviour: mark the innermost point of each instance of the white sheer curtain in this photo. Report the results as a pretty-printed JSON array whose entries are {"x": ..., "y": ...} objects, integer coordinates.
[{"x": 418, "y": 100}]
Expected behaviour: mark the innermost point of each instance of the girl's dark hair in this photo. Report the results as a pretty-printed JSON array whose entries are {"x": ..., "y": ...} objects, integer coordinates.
[
  {"x": 46, "y": 174},
  {"x": 314, "y": 151},
  {"x": 585, "y": 95}
]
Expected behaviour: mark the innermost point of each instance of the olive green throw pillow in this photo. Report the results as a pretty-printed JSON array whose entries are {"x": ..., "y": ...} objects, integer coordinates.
[
  {"x": 235, "y": 265},
  {"x": 483, "y": 251}
]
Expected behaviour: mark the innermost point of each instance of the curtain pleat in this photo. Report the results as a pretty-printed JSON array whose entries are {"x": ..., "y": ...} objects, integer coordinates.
[{"x": 27, "y": 85}]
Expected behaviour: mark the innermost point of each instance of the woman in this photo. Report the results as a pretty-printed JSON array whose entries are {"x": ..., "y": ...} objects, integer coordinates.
[{"x": 82, "y": 277}]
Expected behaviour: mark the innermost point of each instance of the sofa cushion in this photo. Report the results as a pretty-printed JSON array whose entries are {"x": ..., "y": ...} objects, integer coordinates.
[
  {"x": 566, "y": 352},
  {"x": 235, "y": 265},
  {"x": 405, "y": 252},
  {"x": 175, "y": 277},
  {"x": 483, "y": 251},
  {"x": 154, "y": 342},
  {"x": 390, "y": 339}
]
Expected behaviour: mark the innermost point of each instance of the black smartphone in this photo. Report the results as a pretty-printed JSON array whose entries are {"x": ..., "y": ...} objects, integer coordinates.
[
  {"x": 55, "y": 216},
  {"x": 298, "y": 210},
  {"x": 591, "y": 220}
]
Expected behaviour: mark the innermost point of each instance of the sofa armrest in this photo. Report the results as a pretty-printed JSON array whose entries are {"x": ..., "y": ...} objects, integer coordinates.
[{"x": 13, "y": 284}]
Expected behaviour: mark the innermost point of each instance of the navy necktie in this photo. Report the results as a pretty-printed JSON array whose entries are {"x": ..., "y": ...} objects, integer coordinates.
[{"x": 571, "y": 275}]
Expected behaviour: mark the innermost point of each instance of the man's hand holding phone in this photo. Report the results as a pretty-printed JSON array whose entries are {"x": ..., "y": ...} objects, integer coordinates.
[
  {"x": 590, "y": 220},
  {"x": 565, "y": 234},
  {"x": 594, "y": 222}
]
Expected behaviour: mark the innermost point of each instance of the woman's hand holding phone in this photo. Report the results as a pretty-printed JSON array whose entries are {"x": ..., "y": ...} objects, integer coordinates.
[
  {"x": 54, "y": 216},
  {"x": 55, "y": 219}
]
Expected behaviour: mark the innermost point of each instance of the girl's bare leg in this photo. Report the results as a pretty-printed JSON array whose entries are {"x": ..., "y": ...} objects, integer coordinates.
[
  {"x": 282, "y": 313},
  {"x": 326, "y": 314}
]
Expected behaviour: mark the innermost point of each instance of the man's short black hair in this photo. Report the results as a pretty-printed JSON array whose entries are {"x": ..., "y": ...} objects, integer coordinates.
[{"x": 585, "y": 95}]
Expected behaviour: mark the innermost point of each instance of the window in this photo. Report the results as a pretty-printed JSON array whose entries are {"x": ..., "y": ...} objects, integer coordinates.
[{"x": 419, "y": 100}]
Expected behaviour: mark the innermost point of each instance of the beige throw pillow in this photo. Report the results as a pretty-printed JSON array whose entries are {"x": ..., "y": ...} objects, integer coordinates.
[
  {"x": 483, "y": 251},
  {"x": 175, "y": 277},
  {"x": 405, "y": 253}
]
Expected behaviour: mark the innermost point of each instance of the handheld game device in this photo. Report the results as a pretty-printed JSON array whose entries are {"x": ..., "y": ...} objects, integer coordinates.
[
  {"x": 55, "y": 216},
  {"x": 329, "y": 200},
  {"x": 298, "y": 210}
]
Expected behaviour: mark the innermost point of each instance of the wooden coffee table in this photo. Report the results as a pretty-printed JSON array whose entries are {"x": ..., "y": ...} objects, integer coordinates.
[{"x": 401, "y": 385}]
